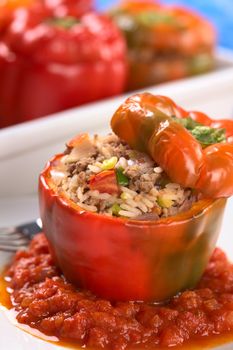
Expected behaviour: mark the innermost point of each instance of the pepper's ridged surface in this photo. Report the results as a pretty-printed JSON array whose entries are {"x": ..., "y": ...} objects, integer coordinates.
[
  {"x": 122, "y": 259},
  {"x": 146, "y": 122}
]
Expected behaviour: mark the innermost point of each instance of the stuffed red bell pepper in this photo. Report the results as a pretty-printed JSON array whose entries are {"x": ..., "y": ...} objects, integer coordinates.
[
  {"x": 164, "y": 42},
  {"x": 7, "y": 8},
  {"x": 48, "y": 64},
  {"x": 62, "y": 8},
  {"x": 59, "y": 8},
  {"x": 123, "y": 214}
]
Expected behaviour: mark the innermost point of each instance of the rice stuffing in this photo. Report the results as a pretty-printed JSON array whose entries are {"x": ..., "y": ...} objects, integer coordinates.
[{"x": 108, "y": 177}]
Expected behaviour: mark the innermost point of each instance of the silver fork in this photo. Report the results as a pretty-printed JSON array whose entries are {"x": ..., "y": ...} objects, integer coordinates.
[{"x": 17, "y": 237}]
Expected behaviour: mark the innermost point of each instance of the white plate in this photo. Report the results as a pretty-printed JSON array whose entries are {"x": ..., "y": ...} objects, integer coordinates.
[{"x": 24, "y": 150}]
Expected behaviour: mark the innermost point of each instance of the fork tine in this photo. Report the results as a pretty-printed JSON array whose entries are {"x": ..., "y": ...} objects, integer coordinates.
[
  {"x": 29, "y": 229},
  {"x": 11, "y": 236},
  {"x": 15, "y": 238},
  {"x": 10, "y": 248},
  {"x": 18, "y": 242},
  {"x": 7, "y": 231}
]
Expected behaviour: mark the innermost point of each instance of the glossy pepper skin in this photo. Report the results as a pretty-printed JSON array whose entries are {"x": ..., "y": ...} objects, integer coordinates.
[
  {"x": 59, "y": 8},
  {"x": 62, "y": 8},
  {"x": 7, "y": 8},
  {"x": 164, "y": 42},
  {"x": 122, "y": 259},
  {"x": 50, "y": 64},
  {"x": 145, "y": 122}
]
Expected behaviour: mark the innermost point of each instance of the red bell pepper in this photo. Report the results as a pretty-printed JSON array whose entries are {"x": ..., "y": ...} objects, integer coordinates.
[
  {"x": 7, "y": 9},
  {"x": 49, "y": 64},
  {"x": 59, "y": 8},
  {"x": 105, "y": 182},
  {"x": 164, "y": 42},
  {"x": 125, "y": 259},
  {"x": 146, "y": 122},
  {"x": 62, "y": 8}
]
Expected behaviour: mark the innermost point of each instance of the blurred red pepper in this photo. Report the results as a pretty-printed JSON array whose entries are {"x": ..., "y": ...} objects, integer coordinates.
[
  {"x": 7, "y": 8},
  {"x": 165, "y": 42},
  {"x": 62, "y": 8},
  {"x": 48, "y": 64},
  {"x": 59, "y": 8}
]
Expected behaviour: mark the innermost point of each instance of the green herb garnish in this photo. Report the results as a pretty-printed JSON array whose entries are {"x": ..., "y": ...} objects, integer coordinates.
[
  {"x": 115, "y": 209},
  {"x": 64, "y": 22},
  {"x": 200, "y": 63},
  {"x": 188, "y": 123},
  {"x": 148, "y": 18},
  {"x": 122, "y": 179},
  {"x": 109, "y": 163},
  {"x": 208, "y": 136},
  {"x": 203, "y": 134}
]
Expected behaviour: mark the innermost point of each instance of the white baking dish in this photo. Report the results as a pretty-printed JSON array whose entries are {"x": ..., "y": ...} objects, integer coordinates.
[{"x": 25, "y": 148}]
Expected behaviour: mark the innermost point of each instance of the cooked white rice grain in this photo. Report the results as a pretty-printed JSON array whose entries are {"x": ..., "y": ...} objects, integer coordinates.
[
  {"x": 94, "y": 193},
  {"x": 127, "y": 214},
  {"x": 58, "y": 176},
  {"x": 130, "y": 162},
  {"x": 106, "y": 153},
  {"x": 173, "y": 186},
  {"x": 95, "y": 169},
  {"x": 122, "y": 162},
  {"x": 143, "y": 207},
  {"x": 73, "y": 182},
  {"x": 65, "y": 186},
  {"x": 147, "y": 202},
  {"x": 80, "y": 194},
  {"x": 150, "y": 197},
  {"x": 131, "y": 209},
  {"x": 154, "y": 192},
  {"x": 158, "y": 170},
  {"x": 92, "y": 208},
  {"x": 127, "y": 190},
  {"x": 131, "y": 202},
  {"x": 97, "y": 194}
]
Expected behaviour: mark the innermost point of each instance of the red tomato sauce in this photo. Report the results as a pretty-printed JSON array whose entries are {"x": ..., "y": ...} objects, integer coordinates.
[{"x": 44, "y": 300}]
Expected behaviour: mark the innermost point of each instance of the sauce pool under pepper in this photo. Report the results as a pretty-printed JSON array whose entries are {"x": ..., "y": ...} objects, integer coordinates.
[{"x": 45, "y": 301}]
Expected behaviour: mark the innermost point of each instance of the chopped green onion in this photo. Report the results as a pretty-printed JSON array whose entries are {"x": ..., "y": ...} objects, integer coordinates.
[
  {"x": 125, "y": 196},
  {"x": 115, "y": 209},
  {"x": 109, "y": 163},
  {"x": 122, "y": 179},
  {"x": 164, "y": 202}
]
